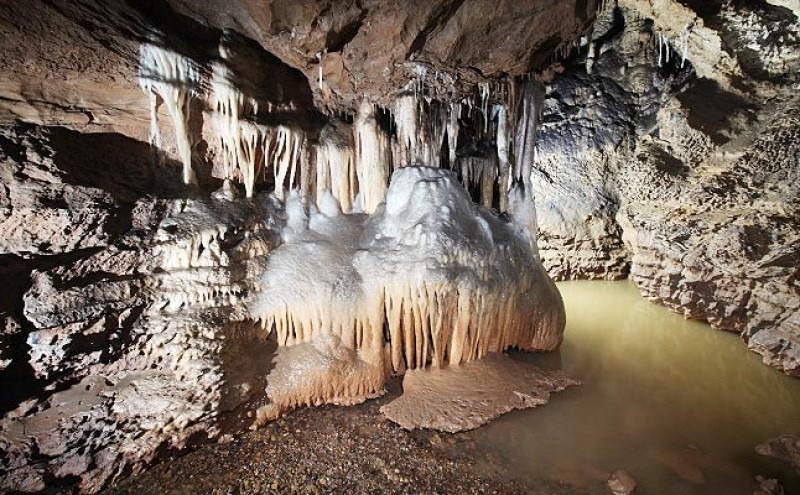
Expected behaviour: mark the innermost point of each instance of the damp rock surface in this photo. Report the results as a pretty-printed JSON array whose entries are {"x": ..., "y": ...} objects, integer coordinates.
[
  {"x": 668, "y": 153},
  {"x": 785, "y": 448}
]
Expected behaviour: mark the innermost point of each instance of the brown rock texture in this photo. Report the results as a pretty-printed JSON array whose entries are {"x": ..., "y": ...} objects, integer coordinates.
[
  {"x": 375, "y": 46},
  {"x": 117, "y": 306},
  {"x": 681, "y": 173},
  {"x": 785, "y": 448}
]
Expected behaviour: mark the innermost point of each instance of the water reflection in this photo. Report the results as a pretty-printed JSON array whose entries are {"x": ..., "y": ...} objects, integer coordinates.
[{"x": 678, "y": 405}]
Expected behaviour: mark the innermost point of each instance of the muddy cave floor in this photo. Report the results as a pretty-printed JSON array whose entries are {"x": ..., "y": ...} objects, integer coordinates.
[{"x": 332, "y": 449}]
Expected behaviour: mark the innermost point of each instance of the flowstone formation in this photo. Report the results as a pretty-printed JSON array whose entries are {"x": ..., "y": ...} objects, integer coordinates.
[
  {"x": 460, "y": 398},
  {"x": 428, "y": 279}
]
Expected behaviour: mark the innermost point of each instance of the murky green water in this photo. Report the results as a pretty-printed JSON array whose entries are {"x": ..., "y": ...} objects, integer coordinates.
[{"x": 675, "y": 403}]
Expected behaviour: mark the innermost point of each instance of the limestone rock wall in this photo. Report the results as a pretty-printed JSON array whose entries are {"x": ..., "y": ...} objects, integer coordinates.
[
  {"x": 120, "y": 333},
  {"x": 681, "y": 171}
]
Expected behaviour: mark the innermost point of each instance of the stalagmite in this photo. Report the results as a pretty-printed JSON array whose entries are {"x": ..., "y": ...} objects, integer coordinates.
[{"x": 176, "y": 79}]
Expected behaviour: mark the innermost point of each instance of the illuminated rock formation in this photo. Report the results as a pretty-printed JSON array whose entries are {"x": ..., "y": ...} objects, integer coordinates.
[
  {"x": 656, "y": 139},
  {"x": 428, "y": 279}
]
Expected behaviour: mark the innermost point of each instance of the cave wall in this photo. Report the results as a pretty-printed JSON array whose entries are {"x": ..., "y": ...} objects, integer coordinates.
[
  {"x": 120, "y": 334},
  {"x": 119, "y": 280},
  {"x": 681, "y": 174},
  {"x": 375, "y": 46}
]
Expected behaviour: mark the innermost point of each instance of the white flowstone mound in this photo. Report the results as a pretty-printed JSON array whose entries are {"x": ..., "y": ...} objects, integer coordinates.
[{"x": 429, "y": 278}]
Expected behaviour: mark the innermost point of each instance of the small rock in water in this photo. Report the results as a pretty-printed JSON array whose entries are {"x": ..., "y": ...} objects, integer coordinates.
[
  {"x": 785, "y": 448},
  {"x": 621, "y": 483},
  {"x": 768, "y": 486}
]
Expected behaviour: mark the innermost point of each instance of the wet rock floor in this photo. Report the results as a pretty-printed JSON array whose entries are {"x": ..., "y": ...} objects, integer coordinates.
[{"x": 333, "y": 450}]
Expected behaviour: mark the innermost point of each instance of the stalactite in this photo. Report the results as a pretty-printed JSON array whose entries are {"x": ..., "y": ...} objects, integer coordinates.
[
  {"x": 372, "y": 158},
  {"x": 175, "y": 79},
  {"x": 320, "y": 57},
  {"x": 336, "y": 168},
  {"x": 354, "y": 171},
  {"x": 684, "y": 43},
  {"x": 285, "y": 160},
  {"x": 406, "y": 118},
  {"x": 250, "y": 149},
  {"x": 658, "y": 46},
  {"x": 453, "y": 113},
  {"x": 483, "y": 88},
  {"x": 503, "y": 155},
  {"x": 481, "y": 173},
  {"x": 530, "y": 103},
  {"x": 432, "y": 126},
  {"x": 155, "y": 131},
  {"x": 228, "y": 103}
]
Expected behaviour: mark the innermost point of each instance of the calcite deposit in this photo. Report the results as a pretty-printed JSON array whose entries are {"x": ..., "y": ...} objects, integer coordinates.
[
  {"x": 460, "y": 398},
  {"x": 428, "y": 279}
]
